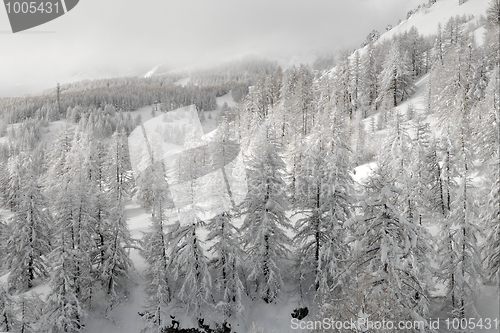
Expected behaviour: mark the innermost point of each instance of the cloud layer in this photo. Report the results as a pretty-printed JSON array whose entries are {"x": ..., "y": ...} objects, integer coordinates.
[{"x": 125, "y": 37}]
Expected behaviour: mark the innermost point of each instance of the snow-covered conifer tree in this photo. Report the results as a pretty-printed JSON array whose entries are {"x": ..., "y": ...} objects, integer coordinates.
[
  {"x": 8, "y": 320},
  {"x": 63, "y": 312},
  {"x": 303, "y": 98},
  {"x": 190, "y": 266},
  {"x": 492, "y": 243},
  {"x": 71, "y": 278},
  {"x": 28, "y": 242},
  {"x": 14, "y": 179},
  {"x": 342, "y": 98},
  {"x": 491, "y": 144},
  {"x": 324, "y": 201},
  {"x": 264, "y": 236},
  {"x": 29, "y": 310},
  {"x": 94, "y": 166},
  {"x": 424, "y": 169},
  {"x": 460, "y": 265},
  {"x": 396, "y": 158},
  {"x": 119, "y": 183},
  {"x": 395, "y": 80},
  {"x": 369, "y": 80},
  {"x": 453, "y": 96},
  {"x": 389, "y": 277},
  {"x": 156, "y": 249},
  {"x": 227, "y": 260},
  {"x": 355, "y": 84},
  {"x": 83, "y": 217}
]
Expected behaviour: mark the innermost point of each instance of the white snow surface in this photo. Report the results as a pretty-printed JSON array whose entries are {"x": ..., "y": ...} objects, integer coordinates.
[
  {"x": 152, "y": 71},
  {"x": 426, "y": 20}
]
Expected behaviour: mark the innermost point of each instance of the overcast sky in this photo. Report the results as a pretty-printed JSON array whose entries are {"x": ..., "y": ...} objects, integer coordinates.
[{"x": 102, "y": 38}]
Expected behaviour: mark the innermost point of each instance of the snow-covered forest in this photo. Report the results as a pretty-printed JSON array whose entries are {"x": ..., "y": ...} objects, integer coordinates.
[{"x": 372, "y": 190}]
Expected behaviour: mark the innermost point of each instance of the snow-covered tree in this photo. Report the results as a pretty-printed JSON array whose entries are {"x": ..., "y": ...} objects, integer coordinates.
[
  {"x": 369, "y": 80},
  {"x": 156, "y": 249},
  {"x": 355, "y": 84},
  {"x": 29, "y": 310},
  {"x": 264, "y": 237},
  {"x": 63, "y": 312},
  {"x": 83, "y": 218},
  {"x": 14, "y": 180},
  {"x": 389, "y": 275},
  {"x": 190, "y": 266},
  {"x": 460, "y": 260},
  {"x": 461, "y": 265},
  {"x": 71, "y": 279},
  {"x": 425, "y": 170},
  {"x": 228, "y": 261},
  {"x": 492, "y": 242},
  {"x": 98, "y": 206},
  {"x": 8, "y": 320},
  {"x": 395, "y": 80},
  {"x": 341, "y": 92},
  {"x": 285, "y": 116},
  {"x": 28, "y": 242},
  {"x": 56, "y": 161},
  {"x": 396, "y": 158},
  {"x": 118, "y": 177},
  {"x": 324, "y": 202},
  {"x": 488, "y": 149},
  {"x": 303, "y": 98}
]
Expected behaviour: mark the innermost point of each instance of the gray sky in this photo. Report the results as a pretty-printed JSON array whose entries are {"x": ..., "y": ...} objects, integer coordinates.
[{"x": 103, "y": 38}]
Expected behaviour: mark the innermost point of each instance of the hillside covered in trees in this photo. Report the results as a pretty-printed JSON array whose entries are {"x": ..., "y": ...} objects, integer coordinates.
[{"x": 373, "y": 192}]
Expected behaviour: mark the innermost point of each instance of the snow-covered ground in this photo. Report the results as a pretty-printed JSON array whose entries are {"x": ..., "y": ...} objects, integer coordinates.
[{"x": 427, "y": 20}]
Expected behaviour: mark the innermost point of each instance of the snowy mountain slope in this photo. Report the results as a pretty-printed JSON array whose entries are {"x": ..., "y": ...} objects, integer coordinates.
[
  {"x": 152, "y": 71},
  {"x": 426, "y": 20},
  {"x": 417, "y": 102}
]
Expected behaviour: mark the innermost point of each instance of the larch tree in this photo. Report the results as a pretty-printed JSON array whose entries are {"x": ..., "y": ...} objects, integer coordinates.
[
  {"x": 227, "y": 255},
  {"x": 119, "y": 183},
  {"x": 30, "y": 310},
  {"x": 155, "y": 244},
  {"x": 8, "y": 320},
  {"x": 228, "y": 262},
  {"x": 71, "y": 278},
  {"x": 489, "y": 145},
  {"x": 461, "y": 266},
  {"x": 389, "y": 270},
  {"x": 396, "y": 78},
  {"x": 99, "y": 205},
  {"x": 190, "y": 266},
  {"x": 396, "y": 158},
  {"x": 369, "y": 80},
  {"x": 324, "y": 202},
  {"x": 28, "y": 243},
  {"x": 342, "y": 97},
  {"x": 263, "y": 230}
]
